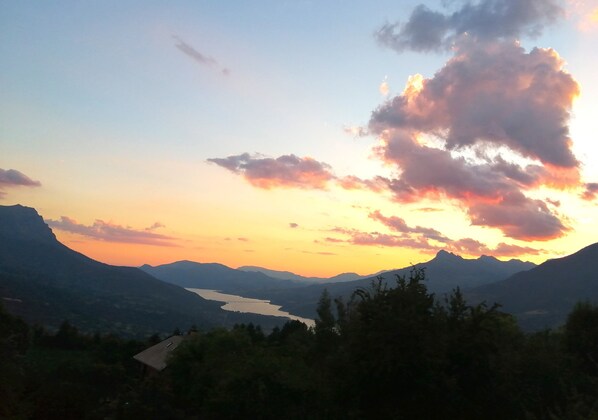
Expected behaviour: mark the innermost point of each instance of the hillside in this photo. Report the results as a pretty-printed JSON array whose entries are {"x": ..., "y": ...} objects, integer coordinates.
[
  {"x": 217, "y": 277},
  {"x": 287, "y": 275},
  {"x": 543, "y": 296},
  {"x": 45, "y": 282},
  {"x": 444, "y": 272}
]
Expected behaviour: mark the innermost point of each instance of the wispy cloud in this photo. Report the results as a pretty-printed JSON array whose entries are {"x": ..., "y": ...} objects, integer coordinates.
[
  {"x": 356, "y": 130},
  {"x": 110, "y": 232},
  {"x": 413, "y": 238},
  {"x": 199, "y": 57},
  {"x": 398, "y": 224},
  {"x": 11, "y": 178},
  {"x": 590, "y": 191}
]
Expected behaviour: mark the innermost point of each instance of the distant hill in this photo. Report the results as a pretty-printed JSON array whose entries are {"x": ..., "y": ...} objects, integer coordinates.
[
  {"x": 217, "y": 277},
  {"x": 543, "y": 296},
  {"x": 444, "y": 272},
  {"x": 287, "y": 275},
  {"x": 45, "y": 282}
]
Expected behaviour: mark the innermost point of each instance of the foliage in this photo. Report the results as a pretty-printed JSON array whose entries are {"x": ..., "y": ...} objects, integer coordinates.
[{"x": 390, "y": 352}]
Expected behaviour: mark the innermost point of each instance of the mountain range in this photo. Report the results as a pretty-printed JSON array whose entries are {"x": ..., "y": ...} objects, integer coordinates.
[
  {"x": 287, "y": 275},
  {"x": 217, "y": 277},
  {"x": 444, "y": 272},
  {"x": 45, "y": 283},
  {"x": 543, "y": 296}
]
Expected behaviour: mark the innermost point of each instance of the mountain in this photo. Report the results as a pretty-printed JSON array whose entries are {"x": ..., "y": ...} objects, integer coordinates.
[
  {"x": 444, "y": 272},
  {"x": 217, "y": 277},
  {"x": 543, "y": 296},
  {"x": 45, "y": 282},
  {"x": 287, "y": 275}
]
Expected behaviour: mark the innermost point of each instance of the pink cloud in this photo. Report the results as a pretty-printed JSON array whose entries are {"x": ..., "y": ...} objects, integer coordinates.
[
  {"x": 10, "y": 178},
  {"x": 463, "y": 246},
  {"x": 492, "y": 93},
  {"x": 110, "y": 232},
  {"x": 591, "y": 191},
  {"x": 351, "y": 182},
  {"x": 397, "y": 224},
  {"x": 518, "y": 217},
  {"x": 287, "y": 171}
]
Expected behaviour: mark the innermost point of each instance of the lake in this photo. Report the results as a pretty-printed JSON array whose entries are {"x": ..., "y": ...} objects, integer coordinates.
[{"x": 236, "y": 303}]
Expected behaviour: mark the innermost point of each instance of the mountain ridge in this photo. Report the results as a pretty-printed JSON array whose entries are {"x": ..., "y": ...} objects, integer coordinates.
[
  {"x": 45, "y": 282},
  {"x": 288, "y": 275},
  {"x": 444, "y": 272},
  {"x": 543, "y": 296}
]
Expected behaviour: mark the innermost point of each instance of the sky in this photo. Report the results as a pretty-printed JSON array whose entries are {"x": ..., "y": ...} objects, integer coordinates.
[{"x": 317, "y": 137}]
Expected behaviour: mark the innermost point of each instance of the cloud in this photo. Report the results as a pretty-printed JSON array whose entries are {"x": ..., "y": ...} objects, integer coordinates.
[
  {"x": 518, "y": 217},
  {"x": 333, "y": 240},
  {"x": 474, "y": 247},
  {"x": 156, "y": 225},
  {"x": 10, "y": 178},
  {"x": 384, "y": 88},
  {"x": 428, "y": 30},
  {"x": 510, "y": 250},
  {"x": 198, "y": 57},
  {"x": 484, "y": 133},
  {"x": 325, "y": 253},
  {"x": 397, "y": 224},
  {"x": 376, "y": 184},
  {"x": 489, "y": 126},
  {"x": 494, "y": 94},
  {"x": 419, "y": 242},
  {"x": 385, "y": 240},
  {"x": 591, "y": 191},
  {"x": 356, "y": 130},
  {"x": 110, "y": 232},
  {"x": 288, "y": 171}
]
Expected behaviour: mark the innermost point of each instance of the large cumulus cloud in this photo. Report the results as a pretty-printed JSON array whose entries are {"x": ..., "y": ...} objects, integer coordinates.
[
  {"x": 508, "y": 107},
  {"x": 495, "y": 93}
]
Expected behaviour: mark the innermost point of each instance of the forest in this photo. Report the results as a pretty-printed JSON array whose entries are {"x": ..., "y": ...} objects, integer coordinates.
[{"x": 390, "y": 352}]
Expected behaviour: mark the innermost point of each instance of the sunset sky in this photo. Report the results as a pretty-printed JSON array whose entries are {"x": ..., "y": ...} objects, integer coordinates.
[{"x": 313, "y": 136}]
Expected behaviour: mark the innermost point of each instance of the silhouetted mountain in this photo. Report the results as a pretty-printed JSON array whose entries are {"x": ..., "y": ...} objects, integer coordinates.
[
  {"x": 217, "y": 277},
  {"x": 543, "y": 296},
  {"x": 287, "y": 275},
  {"x": 45, "y": 282},
  {"x": 444, "y": 272}
]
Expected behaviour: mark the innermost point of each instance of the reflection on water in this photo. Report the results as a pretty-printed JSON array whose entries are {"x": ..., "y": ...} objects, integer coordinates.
[{"x": 236, "y": 303}]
